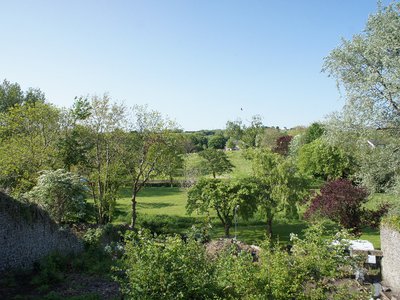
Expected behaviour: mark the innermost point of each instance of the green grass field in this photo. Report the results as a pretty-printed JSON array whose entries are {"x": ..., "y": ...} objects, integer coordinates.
[{"x": 164, "y": 207}]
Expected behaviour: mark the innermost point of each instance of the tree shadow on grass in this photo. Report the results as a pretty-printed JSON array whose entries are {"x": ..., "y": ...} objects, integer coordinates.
[
  {"x": 154, "y": 205},
  {"x": 150, "y": 192}
]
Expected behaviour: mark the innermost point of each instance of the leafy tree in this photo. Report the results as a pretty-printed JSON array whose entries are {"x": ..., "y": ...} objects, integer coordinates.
[
  {"x": 216, "y": 141},
  {"x": 252, "y": 134},
  {"x": 234, "y": 129},
  {"x": 174, "y": 165},
  {"x": 313, "y": 132},
  {"x": 74, "y": 142},
  {"x": 216, "y": 162},
  {"x": 103, "y": 161},
  {"x": 61, "y": 193},
  {"x": 270, "y": 136},
  {"x": 231, "y": 143},
  {"x": 225, "y": 197},
  {"x": 28, "y": 144},
  {"x": 342, "y": 202},
  {"x": 11, "y": 94},
  {"x": 147, "y": 149},
  {"x": 367, "y": 68},
  {"x": 282, "y": 145},
  {"x": 198, "y": 141},
  {"x": 281, "y": 185},
  {"x": 324, "y": 161}
]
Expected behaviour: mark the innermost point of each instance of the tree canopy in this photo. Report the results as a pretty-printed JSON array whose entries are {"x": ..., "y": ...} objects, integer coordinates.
[
  {"x": 225, "y": 197},
  {"x": 216, "y": 162},
  {"x": 368, "y": 68}
]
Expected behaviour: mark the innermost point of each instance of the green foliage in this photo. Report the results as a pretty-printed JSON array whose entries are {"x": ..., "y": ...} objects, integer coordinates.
[
  {"x": 50, "y": 270},
  {"x": 324, "y": 161},
  {"x": 102, "y": 162},
  {"x": 234, "y": 130},
  {"x": 307, "y": 271},
  {"x": 314, "y": 261},
  {"x": 252, "y": 134},
  {"x": 367, "y": 67},
  {"x": 315, "y": 131},
  {"x": 225, "y": 197},
  {"x": 238, "y": 275},
  {"x": 11, "y": 94},
  {"x": 216, "y": 162},
  {"x": 60, "y": 193},
  {"x": 28, "y": 139},
  {"x": 167, "y": 268},
  {"x": 216, "y": 141},
  {"x": 148, "y": 149},
  {"x": 281, "y": 185}
]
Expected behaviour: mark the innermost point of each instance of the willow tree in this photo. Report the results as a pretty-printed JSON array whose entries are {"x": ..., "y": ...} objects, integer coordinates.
[
  {"x": 280, "y": 183},
  {"x": 367, "y": 69}
]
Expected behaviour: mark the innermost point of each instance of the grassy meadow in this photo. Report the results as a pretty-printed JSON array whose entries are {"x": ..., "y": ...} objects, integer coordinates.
[{"x": 163, "y": 208}]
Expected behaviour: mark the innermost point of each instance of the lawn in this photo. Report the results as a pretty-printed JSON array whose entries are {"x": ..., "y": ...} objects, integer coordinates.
[{"x": 164, "y": 208}]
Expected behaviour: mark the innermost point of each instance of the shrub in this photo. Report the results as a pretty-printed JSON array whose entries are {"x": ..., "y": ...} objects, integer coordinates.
[
  {"x": 166, "y": 268},
  {"x": 282, "y": 145},
  {"x": 342, "y": 202},
  {"x": 61, "y": 193},
  {"x": 172, "y": 268}
]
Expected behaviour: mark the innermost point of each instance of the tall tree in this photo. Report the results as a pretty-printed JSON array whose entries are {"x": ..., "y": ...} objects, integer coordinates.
[
  {"x": 28, "y": 139},
  {"x": 12, "y": 94},
  {"x": 368, "y": 68},
  {"x": 104, "y": 164},
  {"x": 148, "y": 148},
  {"x": 281, "y": 185},
  {"x": 252, "y": 134},
  {"x": 74, "y": 143}
]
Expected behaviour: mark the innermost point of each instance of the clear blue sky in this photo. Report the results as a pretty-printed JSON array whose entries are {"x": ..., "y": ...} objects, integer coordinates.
[{"x": 199, "y": 62}]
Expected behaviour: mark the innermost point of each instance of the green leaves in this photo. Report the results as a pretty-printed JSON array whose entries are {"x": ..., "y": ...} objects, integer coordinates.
[
  {"x": 225, "y": 197},
  {"x": 324, "y": 161},
  {"x": 368, "y": 68},
  {"x": 216, "y": 162},
  {"x": 61, "y": 193}
]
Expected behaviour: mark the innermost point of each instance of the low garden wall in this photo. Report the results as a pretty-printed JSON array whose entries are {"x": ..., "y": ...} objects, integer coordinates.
[
  {"x": 27, "y": 233},
  {"x": 390, "y": 245}
]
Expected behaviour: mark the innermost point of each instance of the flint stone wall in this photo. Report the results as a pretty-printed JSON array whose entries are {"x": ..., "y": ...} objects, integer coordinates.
[
  {"x": 390, "y": 245},
  {"x": 27, "y": 234}
]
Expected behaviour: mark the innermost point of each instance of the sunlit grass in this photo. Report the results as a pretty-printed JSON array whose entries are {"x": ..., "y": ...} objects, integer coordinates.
[{"x": 165, "y": 206}]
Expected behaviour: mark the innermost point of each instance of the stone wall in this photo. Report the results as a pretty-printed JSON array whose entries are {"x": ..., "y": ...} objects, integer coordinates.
[
  {"x": 27, "y": 233},
  {"x": 390, "y": 245}
]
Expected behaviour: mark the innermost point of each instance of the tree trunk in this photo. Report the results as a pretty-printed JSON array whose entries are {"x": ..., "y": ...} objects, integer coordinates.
[
  {"x": 134, "y": 215},
  {"x": 269, "y": 223},
  {"x": 226, "y": 229}
]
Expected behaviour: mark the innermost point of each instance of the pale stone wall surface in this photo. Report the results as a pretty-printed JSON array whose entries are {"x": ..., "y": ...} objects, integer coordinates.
[
  {"x": 390, "y": 245},
  {"x": 27, "y": 234}
]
